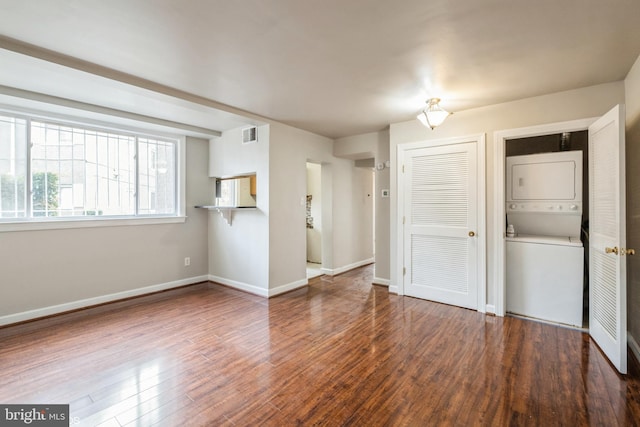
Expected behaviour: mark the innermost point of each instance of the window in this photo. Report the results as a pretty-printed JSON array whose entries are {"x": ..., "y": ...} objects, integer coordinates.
[
  {"x": 13, "y": 167},
  {"x": 72, "y": 171}
]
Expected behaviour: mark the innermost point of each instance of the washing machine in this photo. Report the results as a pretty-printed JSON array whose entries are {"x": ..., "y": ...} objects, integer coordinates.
[
  {"x": 545, "y": 278},
  {"x": 545, "y": 257}
]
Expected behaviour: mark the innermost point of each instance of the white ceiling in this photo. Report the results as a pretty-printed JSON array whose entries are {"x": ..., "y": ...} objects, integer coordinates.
[{"x": 333, "y": 67}]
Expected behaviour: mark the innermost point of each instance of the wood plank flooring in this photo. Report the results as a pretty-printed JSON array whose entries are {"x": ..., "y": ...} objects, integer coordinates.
[{"x": 339, "y": 352}]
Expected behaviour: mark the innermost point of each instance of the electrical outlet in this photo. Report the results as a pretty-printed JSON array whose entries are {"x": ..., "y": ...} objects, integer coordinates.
[{"x": 187, "y": 261}]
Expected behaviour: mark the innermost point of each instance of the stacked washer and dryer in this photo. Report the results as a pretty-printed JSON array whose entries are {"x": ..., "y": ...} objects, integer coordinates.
[{"x": 544, "y": 253}]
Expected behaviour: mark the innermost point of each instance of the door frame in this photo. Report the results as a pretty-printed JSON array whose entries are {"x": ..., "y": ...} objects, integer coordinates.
[
  {"x": 499, "y": 161},
  {"x": 402, "y": 149}
]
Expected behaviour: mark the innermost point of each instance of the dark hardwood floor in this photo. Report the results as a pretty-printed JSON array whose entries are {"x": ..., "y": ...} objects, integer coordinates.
[{"x": 339, "y": 352}]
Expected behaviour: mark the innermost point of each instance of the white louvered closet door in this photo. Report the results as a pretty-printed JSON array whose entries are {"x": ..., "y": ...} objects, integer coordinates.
[
  {"x": 607, "y": 240},
  {"x": 440, "y": 216}
]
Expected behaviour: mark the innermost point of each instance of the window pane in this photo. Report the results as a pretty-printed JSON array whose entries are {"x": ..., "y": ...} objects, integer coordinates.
[
  {"x": 157, "y": 177},
  {"x": 13, "y": 167},
  {"x": 78, "y": 172}
]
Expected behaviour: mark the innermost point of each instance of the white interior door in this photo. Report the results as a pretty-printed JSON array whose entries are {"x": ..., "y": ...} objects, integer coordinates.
[
  {"x": 440, "y": 224},
  {"x": 607, "y": 242}
]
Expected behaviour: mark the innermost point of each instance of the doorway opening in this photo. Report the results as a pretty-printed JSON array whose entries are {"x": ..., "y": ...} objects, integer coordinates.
[
  {"x": 314, "y": 220},
  {"x": 525, "y": 141},
  {"x": 607, "y": 228},
  {"x": 547, "y": 265}
]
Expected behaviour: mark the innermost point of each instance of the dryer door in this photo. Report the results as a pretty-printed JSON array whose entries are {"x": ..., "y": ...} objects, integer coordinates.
[{"x": 551, "y": 177}]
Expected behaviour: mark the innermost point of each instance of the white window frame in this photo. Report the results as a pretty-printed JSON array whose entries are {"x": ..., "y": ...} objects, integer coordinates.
[{"x": 52, "y": 223}]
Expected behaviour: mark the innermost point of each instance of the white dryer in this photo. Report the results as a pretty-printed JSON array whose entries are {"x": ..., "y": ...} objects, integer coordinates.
[{"x": 544, "y": 260}]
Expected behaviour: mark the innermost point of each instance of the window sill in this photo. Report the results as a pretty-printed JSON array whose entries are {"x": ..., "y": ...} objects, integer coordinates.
[{"x": 63, "y": 223}]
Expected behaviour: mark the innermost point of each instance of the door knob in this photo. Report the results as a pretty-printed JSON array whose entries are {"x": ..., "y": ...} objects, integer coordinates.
[
  {"x": 613, "y": 250},
  {"x": 471, "y": 234},
  {"x": 631, "y": 252}
]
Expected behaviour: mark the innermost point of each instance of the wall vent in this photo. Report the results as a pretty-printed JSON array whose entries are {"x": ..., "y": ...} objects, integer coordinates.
[{"x": 249, "y": 135}]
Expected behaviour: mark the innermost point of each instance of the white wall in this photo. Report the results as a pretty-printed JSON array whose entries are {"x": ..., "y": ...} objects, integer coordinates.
[
  {"x": 239, "y": 253},
  {"x": 356, "y": 147},
  {"x": 632, "y": 94},
  {"x": 363, "y": 221},
  {"x": 314, "y": 235},
  {"x": 56, "y": 270},
  {"x": 290, "y": 149},
  {"x": 632, "y": 101},
  {"x": 264, "y": 251},
  {"x": 376, "y": 145},
  {"x": 382, "y": 273},
  {"x": 563, "y": 106}
]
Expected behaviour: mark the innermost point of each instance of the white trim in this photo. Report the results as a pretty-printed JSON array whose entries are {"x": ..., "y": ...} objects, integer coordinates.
[
  {"x": 181, "y": 175},
  {"x": 87, "y": 222},
  {"x": 239, "y": 285},
  {"x": 343, "y": 269},
  {"x": 499, "y": 139},
  {"x": 439, "y": 142},
  {"x": 633, "y": 345},
  {"x": 380, "y": 281},
  {"x": 393, "y": 214},
  {"x": 84, "y": 303},
  {"x": 288, "y": 287},
  {"x": 548, "y": 322},
  {"x": 491, "y": 309},
  {"x": 255, "y": 290},
  {"x": 402, "y": 149},
  {"x": 397, "y": 199},
  {"x": 482, "y": 223}
]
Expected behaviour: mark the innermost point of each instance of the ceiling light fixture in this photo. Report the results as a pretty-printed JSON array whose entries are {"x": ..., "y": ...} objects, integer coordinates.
[{"x": 433, "y": 115}]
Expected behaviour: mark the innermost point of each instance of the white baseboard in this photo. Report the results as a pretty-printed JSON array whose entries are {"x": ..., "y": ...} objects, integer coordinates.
[
  {"x": 240, "y": 285},
  {"x": 393, "y": 289},
  {"x": 379, "y": 281},
  {"x": 490, "y": 308},
  {"x": 88, "y": 302},
  {"x": 633, "y": 345},
  {"x": 267, "y": 293},
  {"x": 340, "y": 270},
  {"x": 288, "y": 287}
]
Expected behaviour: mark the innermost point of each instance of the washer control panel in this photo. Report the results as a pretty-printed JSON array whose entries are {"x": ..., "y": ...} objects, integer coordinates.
[{"x": 550, "y": 207}]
